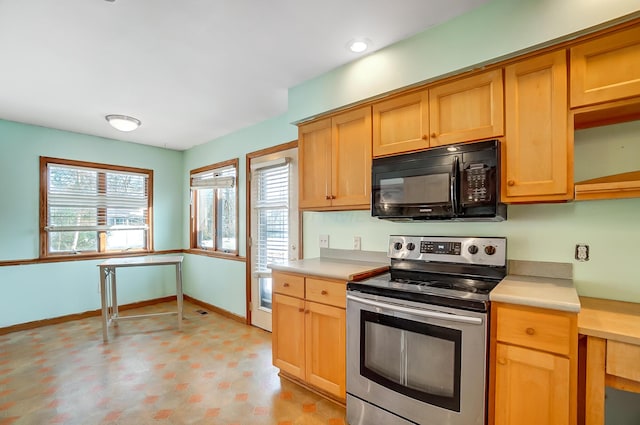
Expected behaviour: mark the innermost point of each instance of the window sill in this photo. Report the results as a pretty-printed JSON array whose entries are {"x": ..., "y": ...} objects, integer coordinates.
[{"x": 216, "y": 254}]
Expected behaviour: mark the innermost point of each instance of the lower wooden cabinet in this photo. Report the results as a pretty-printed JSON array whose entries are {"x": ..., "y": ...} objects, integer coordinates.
[
  {"x": 309, "y": 331},
  {"x": 534, "y": 357},
  {"x": 532, "y": 387}
]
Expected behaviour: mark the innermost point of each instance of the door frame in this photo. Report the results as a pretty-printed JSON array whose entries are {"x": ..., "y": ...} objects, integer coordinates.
[{"x": 251, "y": 155}]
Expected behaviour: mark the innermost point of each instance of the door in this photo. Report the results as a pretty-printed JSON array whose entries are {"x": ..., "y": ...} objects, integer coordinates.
[
  {"x": 274, "y": 225},
  {"x": 545, "y": 377},
  {"x": 351, "y": 156},
  {"x": 325, "y": 329},
  {"x": 315, "y": 166},
  {"x": 466, "y": 110},
  {"x": 401, "y": 124},
  {"x": 538, "y": 141}
]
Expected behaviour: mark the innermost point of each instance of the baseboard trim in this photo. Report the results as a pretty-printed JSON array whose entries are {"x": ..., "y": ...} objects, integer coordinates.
[
  {"x": 78, "y": 316},
  {"x": 218, "y": 310}
]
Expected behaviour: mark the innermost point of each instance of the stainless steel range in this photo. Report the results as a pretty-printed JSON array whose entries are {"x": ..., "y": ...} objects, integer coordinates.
[{"x": 417, "y": 337}]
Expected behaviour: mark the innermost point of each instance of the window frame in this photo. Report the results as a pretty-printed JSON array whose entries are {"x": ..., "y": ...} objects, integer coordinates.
[
  {"x": 101, "y": 248},
  {"x": 193, "y": 209}
]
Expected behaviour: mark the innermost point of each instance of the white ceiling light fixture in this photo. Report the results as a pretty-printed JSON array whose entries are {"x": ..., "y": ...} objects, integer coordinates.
[
  {"x": 359, "y": 45},
  {"x": 123, "y": 122}
]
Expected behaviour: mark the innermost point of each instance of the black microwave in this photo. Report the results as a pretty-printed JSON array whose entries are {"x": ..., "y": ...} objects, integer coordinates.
[{"x": 457, "y": 182}]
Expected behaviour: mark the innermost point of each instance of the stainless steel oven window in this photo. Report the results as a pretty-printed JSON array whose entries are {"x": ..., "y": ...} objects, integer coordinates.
[{"x": 419, "y": 360}]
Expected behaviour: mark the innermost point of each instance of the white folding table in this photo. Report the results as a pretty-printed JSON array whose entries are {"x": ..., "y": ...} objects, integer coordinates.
[{"x": 108, "y": 293}]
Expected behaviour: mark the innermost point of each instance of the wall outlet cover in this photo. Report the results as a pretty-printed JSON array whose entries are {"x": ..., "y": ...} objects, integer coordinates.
[
  {"x": 324, "y": 241},
  {"x": 582, "y": 252}
]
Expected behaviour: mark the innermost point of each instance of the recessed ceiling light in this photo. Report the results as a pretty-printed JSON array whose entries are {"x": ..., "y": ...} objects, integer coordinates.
[
  {"x": 123, "y": 122},
  {"x": 359, "y": 45}
]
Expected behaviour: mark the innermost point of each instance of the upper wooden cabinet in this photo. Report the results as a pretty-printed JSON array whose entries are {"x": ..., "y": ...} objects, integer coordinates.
[
  {"x": 401, "y": 124},
  {"x": 335, "y": 161},
  {"x": 606, "y": 68},
  {"x": 537, "y": 159},
  {"x": 460, "y": 111},
  {"x": 467, "y": 110}
]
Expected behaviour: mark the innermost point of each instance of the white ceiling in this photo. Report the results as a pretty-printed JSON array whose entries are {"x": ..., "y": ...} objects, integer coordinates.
[{"x": 190, "y": 70}]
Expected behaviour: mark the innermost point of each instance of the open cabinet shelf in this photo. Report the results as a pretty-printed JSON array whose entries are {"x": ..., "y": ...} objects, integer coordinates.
[{"x": 617, "y": 186}]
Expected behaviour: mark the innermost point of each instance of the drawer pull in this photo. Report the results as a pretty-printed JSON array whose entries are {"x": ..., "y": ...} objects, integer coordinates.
[
  {"x": 530, "y": 331},
  {"x": 323, "y": 292},
  {"x": 286, "y": 285}
]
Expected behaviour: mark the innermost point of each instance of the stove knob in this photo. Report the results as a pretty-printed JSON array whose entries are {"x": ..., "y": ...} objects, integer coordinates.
[
  {"x": 411, "y": 246},
  {"x": 489, "y": 249},
  {"x": 473, "y": 249},
  {"x": 397, "y": 246}
]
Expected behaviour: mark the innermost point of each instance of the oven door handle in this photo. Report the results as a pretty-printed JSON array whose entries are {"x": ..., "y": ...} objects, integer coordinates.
[{"x": 422, "y": 313}]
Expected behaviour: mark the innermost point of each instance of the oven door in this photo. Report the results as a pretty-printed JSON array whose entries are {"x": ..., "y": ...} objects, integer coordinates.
[{"x": 423, "y": 363}]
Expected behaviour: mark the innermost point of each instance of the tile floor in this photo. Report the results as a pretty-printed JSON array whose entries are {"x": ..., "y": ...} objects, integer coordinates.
[{"x": 217, "y": 371}]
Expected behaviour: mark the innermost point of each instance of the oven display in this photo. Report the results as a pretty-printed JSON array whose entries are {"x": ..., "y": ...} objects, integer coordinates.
[{"x": 449, "y": 248}]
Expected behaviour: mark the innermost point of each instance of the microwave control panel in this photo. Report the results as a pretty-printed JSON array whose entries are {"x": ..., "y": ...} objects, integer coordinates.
[{"x": 476, "y": 184}]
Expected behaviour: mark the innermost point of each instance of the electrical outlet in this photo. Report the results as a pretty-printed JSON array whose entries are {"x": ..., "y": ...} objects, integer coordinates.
[
  {"x": 582, "y": 252},
  {"x": 324, "y": 241},
  {"x": 357, "y": 243}
]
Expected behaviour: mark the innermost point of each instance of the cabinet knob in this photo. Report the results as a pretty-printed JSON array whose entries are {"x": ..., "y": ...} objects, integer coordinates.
[
  {"x": 502, "y": 361},
  {"x": 323, "y": 292},
  {"x": 327, "y": 197},
  {"x": 510, "y": 182},
  {"x": 286, "y": 285},
  {"x": 306, "y": 312},
  {"x": 434, "y": 135},
  {"x": 300, "y": 310},
  {"x": 333, "y": 196},
  {"x": 425, "y": 137},
  {"x": 530, "y": 331}
]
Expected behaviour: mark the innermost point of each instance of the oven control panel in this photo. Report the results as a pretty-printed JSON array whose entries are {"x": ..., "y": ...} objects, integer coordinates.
[{"x": 481, "y": 250}]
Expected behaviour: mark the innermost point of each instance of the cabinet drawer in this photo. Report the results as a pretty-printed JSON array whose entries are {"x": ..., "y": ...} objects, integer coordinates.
[
  {"x": 327, "y": 292},
  {"x": 288, "y": 284},
  {"x": 623, "y": 360},
  {"x": 536, "y": 328}
]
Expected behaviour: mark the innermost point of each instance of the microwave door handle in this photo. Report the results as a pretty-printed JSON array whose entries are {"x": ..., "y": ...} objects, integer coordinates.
[
  {"x": 416, "y": 312},
  {"x": 454, "y": 186}
]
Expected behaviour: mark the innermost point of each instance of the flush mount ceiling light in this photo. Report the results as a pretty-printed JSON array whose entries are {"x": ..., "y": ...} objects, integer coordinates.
[
  {"x": 359, "y": 45},
  {"x": 123, "y": 122}
]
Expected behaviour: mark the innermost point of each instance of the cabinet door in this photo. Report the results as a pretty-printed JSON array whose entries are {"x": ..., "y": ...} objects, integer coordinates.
[
  {"x": 532, "y": 387},
  {"x": 288, "y": 334},
  {"x": 401, "y": 124},
  {"x": 538, "y": 150},
  {"x": 351, "y": 166},
  {"x": 314, "y": 152},
  {"x": 606, "y": 69},
  {"x": 326, "y": 348},
  {"x": 467, "y": 110}
]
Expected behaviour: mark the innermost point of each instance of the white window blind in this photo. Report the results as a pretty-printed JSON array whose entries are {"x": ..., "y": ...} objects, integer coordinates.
[
  {"x": 91, "y": 199},
  {"x": 271, "y": 185},
  {"x": 219, "y": 178}
]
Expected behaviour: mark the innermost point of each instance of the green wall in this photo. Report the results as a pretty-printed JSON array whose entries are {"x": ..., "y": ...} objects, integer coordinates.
[
  {"x": 217, "y": 281},
  {"x": 40, "y": 291},
  {"x": 498, "y": 29}
]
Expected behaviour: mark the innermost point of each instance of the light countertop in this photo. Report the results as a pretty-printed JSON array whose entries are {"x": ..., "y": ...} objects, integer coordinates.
[
  {"x": 332, "y": 268},
  {"x": 612, "y": 320},
  {"x": 534, "y": 291}
]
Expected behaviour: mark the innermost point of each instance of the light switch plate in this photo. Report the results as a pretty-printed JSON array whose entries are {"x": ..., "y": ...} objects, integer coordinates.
[{"x": 357, "y": 243}]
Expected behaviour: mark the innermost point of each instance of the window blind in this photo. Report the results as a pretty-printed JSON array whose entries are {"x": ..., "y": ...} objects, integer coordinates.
[
  {"x": 272, "y": 211},
  {"x": 89, "y": 199},
  {"x": 214, "y": 179}
]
